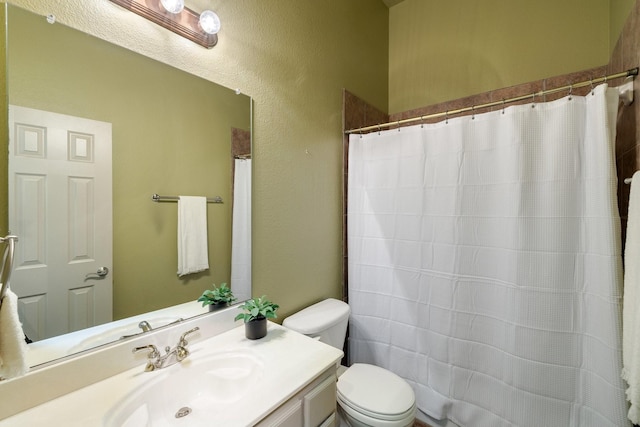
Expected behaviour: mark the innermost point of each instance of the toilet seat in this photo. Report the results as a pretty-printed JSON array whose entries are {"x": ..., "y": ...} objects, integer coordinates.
[{"x": 376, "y": 393}]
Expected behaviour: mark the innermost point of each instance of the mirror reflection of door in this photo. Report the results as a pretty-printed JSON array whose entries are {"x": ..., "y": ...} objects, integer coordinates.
[{"x": 60, "y": 199}]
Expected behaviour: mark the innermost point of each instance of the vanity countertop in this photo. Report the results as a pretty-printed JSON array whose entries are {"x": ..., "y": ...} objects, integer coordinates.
[{"x": 289, "y": 362}]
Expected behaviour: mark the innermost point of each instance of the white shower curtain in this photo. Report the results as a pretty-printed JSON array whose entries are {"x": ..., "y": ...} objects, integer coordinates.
[
  {"x": 241, "y": 231},
  {"x": 485, "y": 265}
]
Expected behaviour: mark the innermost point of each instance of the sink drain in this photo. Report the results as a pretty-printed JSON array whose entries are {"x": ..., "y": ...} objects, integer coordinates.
[{"x": 183, "y": 412}]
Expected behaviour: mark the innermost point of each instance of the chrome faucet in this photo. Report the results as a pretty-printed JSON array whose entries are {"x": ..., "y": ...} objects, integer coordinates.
[
  {"x": 155, "y": 360},
  {"x": 145, "y": 326}
]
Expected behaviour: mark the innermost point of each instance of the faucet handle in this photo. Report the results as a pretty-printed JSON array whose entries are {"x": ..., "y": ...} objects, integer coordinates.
[
  {"x": 181, "y": 353},
  {"x": 153, "y": 353},
  {"x": 183, "y": 342}
]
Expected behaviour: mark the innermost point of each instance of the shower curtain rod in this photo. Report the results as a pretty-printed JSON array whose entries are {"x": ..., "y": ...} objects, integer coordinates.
[{"x": 629, "y": 73}]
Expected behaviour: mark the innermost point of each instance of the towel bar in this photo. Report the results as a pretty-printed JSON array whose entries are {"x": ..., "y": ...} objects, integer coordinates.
[{"x": 158, "y": 198}]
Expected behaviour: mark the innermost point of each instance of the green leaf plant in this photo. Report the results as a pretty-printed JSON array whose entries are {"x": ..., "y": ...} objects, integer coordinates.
[
  {"x": 217, "y": 295},
  {"x": 256, "y": 309}
]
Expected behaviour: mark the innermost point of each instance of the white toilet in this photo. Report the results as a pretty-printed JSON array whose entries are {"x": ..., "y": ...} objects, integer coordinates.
[{"x": 368, "y": 396}]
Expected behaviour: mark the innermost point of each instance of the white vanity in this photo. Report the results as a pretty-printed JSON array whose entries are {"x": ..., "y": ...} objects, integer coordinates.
[{"x": 285, "y": 379}]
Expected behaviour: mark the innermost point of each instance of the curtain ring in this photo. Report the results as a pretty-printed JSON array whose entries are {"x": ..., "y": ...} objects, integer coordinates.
[
  {"x": 570, "y": 92},
  {"x": 473, "y": 112},
  {"x": 533, "y": 100},
  {"x": 446, "y": 117},
  {"x": 591, "y": 83},
  {"x": 604, "y": 79},
  {"x": 379, "y": 129},
  {"x": 398, "y": 125},
  {"x": 422, "y": 121},
  {"x": 503, "y": 102}
]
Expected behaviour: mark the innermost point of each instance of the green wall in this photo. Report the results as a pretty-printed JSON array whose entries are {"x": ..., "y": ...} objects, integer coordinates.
[
  {"x": 299, "y": 56},
  {"x": 171, "y": 135},
  {"x": 441, "y": 51},
  {"x": 619, "y": 11}
]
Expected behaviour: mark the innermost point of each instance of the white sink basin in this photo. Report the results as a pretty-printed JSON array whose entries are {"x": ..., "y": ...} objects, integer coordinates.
[{"x": 189, "y": 393}]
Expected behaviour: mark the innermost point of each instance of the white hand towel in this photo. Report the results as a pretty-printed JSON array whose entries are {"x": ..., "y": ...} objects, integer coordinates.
[
  {"x": 631, "y": 304},
  {"x": 193, "y": 255},
  {"x": 13, "y": 348}
]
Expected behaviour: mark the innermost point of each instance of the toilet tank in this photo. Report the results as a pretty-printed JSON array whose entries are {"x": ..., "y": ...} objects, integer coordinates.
[{"x": 326, "y": 320}]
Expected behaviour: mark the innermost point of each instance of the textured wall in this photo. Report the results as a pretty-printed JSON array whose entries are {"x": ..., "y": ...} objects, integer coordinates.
[
  {"x": 441, "y": 51},
  {"x": 618, "y": 13},
  {"x": 293, "y": 57}
]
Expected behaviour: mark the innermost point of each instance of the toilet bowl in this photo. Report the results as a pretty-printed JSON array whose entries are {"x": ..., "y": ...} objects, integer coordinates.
[
  {"x": 367, "y": 395},
  {"x": 372, "y": 396}
]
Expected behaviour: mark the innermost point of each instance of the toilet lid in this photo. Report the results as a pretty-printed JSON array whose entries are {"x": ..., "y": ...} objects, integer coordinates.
[{"x": 375, "y": 391}]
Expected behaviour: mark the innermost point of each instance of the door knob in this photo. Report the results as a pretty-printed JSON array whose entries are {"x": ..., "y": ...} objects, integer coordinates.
[{"x": 98, "y": 275}]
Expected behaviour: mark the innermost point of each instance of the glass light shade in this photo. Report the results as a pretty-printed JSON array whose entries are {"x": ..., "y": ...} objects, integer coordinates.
[
  {"x": 209, "y": 22},
  {"x": 173, "y": 6}
]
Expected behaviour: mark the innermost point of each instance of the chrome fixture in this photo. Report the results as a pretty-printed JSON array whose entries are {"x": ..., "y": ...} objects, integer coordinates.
[
  {"x": 200, "y": 28},
  {"x": 155, "y": 360},
  {"x": 145, "y": 326},
  {"x": 158, "y": 198}
]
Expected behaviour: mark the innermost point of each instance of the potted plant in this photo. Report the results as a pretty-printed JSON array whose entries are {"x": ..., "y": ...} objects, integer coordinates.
[
  {"x": 218, "y": 297},
  {"x": 255, "y": 313}
]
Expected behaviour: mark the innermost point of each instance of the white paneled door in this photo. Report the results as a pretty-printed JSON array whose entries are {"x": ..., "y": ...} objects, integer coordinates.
[{"x": 60, "y": 209}]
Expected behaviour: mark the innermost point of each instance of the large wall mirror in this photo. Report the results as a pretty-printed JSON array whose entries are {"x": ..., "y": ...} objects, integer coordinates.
[{"x": 171, "y": 133}]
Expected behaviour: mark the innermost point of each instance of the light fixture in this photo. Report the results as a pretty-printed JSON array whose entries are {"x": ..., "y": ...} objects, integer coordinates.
[
  {"x": 173, "y": 6},
  {"x": 175, "y": 16},
  {"x": 209, "y": 22}
]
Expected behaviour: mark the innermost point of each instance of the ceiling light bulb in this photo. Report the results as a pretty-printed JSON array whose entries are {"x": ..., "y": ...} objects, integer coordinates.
[
  {"x": 173, "y": 6},
  {"x": 209, "y": 22}
]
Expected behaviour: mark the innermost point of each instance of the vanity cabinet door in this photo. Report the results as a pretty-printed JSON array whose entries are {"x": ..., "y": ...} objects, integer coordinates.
[
  {"x": 314, "y": 406},
  {"x": 287, "y": 415},
  {"x": 320, "y": 403},
  {"x": 331, "y": 421}
]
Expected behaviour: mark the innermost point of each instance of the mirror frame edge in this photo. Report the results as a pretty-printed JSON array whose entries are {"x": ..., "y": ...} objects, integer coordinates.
[{"x": 4, "y": 126}]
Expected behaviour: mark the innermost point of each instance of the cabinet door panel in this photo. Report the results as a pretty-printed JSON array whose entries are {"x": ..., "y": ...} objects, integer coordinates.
[
  {"x": 332, "y": 421},
  {"x": 289, "y": 415},
  {"x": 320, "y": 403}
]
